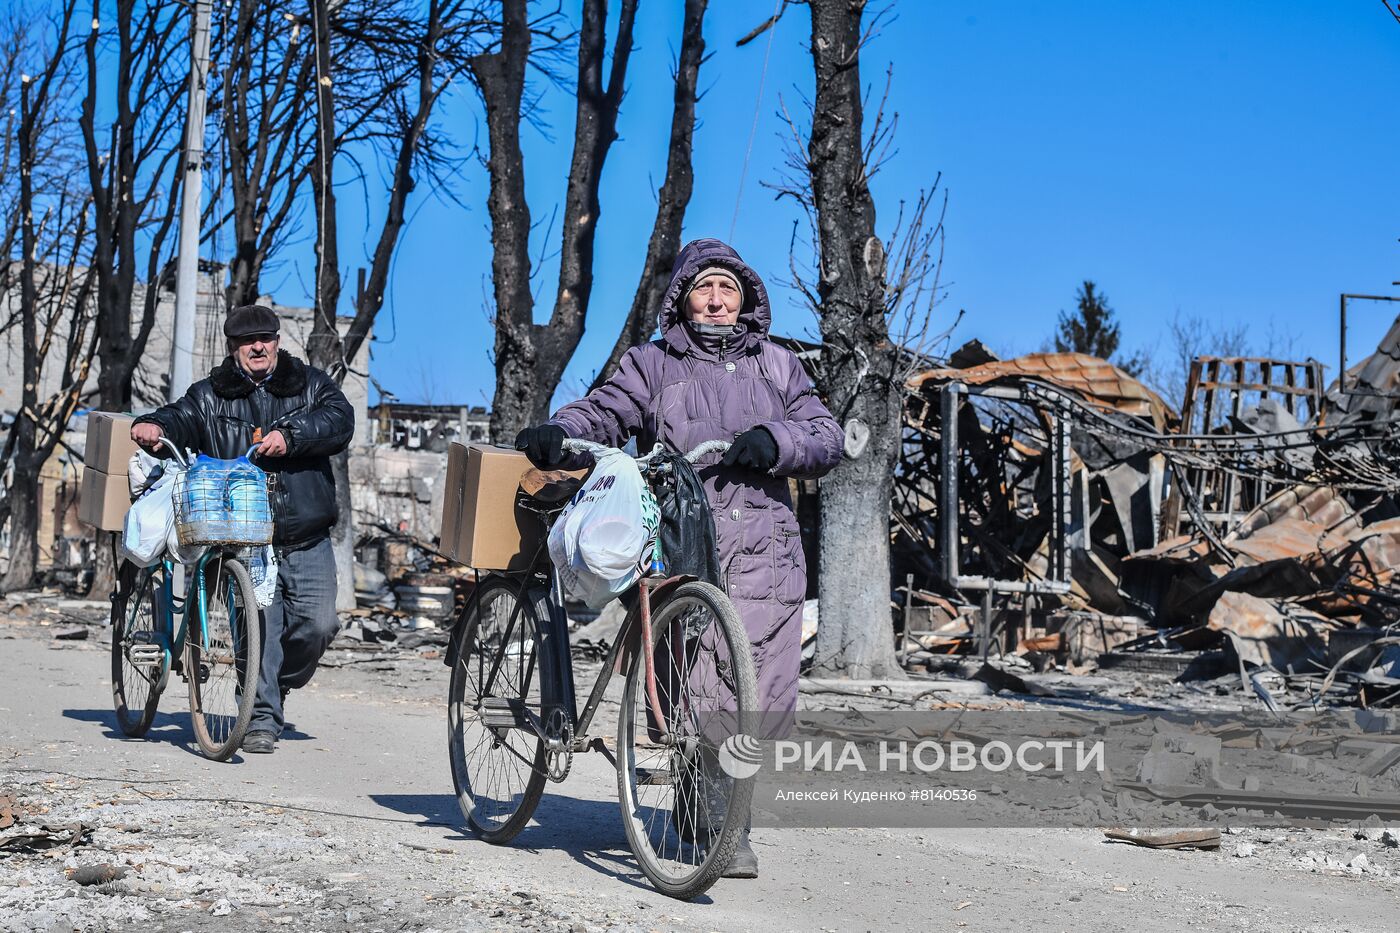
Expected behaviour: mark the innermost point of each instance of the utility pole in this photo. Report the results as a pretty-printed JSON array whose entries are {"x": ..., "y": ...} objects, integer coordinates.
[{"x": 192, "y": 185}]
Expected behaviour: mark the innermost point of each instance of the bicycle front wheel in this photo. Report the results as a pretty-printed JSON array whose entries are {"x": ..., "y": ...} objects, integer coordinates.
[
  {"x": 138, "y": 659},
  {"x": 223, "y": 652},
  {"x": 683, "y": 815},
  {"x": 498, "y": 761}
]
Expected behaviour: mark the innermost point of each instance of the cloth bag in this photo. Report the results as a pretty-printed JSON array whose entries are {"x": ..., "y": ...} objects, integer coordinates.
[{"x": 599, "y": 541}]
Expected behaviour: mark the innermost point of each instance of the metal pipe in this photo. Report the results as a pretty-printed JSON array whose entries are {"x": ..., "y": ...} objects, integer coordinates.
[
  {"x": 985, "y": 633},
  {"x": 948, "y": 403},
  {"x": 1038, "y": 587},
  {"x": 1342, "y": 338}
]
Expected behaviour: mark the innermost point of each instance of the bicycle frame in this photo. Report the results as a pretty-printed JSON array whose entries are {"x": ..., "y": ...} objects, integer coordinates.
[
  {"x": 552, "y": 635},
  {"x": 557, "y": 689},
  {"x": 170, "y": 638}
]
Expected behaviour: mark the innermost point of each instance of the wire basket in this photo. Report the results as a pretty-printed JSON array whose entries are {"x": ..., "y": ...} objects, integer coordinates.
[{"x": 222, "y": 502}]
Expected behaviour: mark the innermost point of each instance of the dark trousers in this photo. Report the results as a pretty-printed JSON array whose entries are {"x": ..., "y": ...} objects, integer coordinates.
[{"x": 296, "y": 629}]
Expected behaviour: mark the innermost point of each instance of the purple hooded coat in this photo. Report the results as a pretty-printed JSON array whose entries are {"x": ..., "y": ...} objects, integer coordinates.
[{"x": 683, "y": 391}]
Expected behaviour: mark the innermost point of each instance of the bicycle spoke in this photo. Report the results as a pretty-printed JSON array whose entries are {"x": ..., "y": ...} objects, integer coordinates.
[
  {"x": 682, "y": 814},
  {"x": 497, "y": 768},
  {"x": 222, "y": 648}
]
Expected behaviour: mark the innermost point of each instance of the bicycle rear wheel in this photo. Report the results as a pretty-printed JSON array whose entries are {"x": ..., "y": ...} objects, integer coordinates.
[
  {"x": 498, "y": 763},
  {"x": 138, "y": 660},
  {"x": 684, "y": 816},
  {"x": 223, "y": 658}
]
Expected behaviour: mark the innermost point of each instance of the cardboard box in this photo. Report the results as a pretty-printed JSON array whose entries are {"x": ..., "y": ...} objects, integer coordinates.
[
  {"x": 109, "y": 443},
  {"x": 104, "y": 499},
  {"x": 481, "y": 525}
]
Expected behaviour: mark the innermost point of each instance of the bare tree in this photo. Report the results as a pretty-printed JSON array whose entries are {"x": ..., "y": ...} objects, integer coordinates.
[
  {"x": 530, "y": 358},
  {"x": 874, "y": 299},
  {"x": 262, "y": 101},
  {"x": 131, "y": 174},
  {"x": 380, "y": 70},
  {"x": 673, "y": 198},
  {"x": 1187, "y": 337},
  {"x": 131, "y": 162},
  {"x": 51, "y": 213}
]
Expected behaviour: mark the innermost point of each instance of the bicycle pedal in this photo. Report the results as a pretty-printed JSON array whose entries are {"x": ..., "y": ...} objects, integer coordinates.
[
  {"x": 502, "y": 713},
  {"x": 145, "y": 654}
]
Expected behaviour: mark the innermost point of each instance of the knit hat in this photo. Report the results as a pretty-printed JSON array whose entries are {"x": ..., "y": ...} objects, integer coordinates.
[{"x": 709, "y": 272}]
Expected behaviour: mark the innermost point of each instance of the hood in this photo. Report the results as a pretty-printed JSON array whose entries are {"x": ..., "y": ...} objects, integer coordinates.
[{"x": 754, "y": 316}]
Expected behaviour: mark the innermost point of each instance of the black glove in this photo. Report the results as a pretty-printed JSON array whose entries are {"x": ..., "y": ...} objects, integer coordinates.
[
  {"x": 543, "y": 445},
  {"x": 755, "y": 449}
]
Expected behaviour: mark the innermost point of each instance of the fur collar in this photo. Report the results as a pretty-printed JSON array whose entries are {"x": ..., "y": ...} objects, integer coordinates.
[{"x": 288, "y": 379}]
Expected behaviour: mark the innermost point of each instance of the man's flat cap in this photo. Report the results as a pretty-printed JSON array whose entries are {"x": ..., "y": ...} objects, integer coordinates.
[{"x": 251, "y": 319}]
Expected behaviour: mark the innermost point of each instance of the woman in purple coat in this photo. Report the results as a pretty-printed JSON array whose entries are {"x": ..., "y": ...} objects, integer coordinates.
[{"x": 714, "y": 375}]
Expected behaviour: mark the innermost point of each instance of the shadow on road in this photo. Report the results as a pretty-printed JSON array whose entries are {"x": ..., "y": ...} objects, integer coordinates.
[
  {"x": 588, "y": 831},
  {"x": 166, "y": 727},
  {"x": 174, "y": 729}
]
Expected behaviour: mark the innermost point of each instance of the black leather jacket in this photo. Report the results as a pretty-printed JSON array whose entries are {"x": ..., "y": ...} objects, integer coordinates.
[{"x": 218, "y": 415}]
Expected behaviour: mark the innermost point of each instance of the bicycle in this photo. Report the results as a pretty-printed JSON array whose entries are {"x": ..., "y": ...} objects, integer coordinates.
[
  {"x": 219, "y": 656},
  {"x": 510, "y": 730}
]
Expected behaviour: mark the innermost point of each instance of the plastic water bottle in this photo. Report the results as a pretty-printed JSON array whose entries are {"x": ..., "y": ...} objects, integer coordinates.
[
  {"x": 248, "y": 507},
  {"x": 203, "y": 503}
]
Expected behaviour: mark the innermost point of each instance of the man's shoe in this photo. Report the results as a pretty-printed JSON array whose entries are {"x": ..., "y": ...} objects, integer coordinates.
[
  {"x": 259, "y": 743},
  {"x": 744, "y": 864}
]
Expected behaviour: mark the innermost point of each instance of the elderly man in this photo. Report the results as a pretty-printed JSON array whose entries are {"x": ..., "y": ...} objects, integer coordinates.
[{"x": 298, "y": 418}]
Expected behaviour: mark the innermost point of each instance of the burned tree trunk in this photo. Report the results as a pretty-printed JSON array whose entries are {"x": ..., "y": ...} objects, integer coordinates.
[
  {"x": 530, "y": 359},
  {"x": 673, "y": 198},
  {"x": 323, "y": 346},
  {"x": 595, "y": 128},
  {"x": 23, "y": 496},
  {"x": 858, "y": 363},
  {"x": 50, "y": 214},
  {"x": 500, "y": 76}
]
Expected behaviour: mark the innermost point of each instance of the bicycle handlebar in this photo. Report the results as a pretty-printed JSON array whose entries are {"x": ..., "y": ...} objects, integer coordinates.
[
  {"x": 578, "y": 446},
  {"x": 180, "y": 458}
]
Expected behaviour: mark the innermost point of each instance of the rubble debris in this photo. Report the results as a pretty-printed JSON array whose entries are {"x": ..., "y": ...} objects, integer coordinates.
[
  {"x": 999, "y": 678},
  {"x": 1257, "y": 532},
  {"x": 37, "y": 837},
  {"x": 1166, "y": 839},
  {"x": 1269, "y": 633},
  {"x": 593, "y": 639},
  {"x": 96, "y": 874},
  {"x": 8, "y": 805}
]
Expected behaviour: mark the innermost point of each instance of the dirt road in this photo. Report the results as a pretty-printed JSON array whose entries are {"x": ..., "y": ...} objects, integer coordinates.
[{"x": 352, "y": 825}]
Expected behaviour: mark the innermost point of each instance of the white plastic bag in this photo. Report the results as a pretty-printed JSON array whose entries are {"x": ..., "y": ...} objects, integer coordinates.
[
  {"x": 150, "y": 523},
  {"x": 598, "y": 542},
  {"x": 142, "y": 471},
  {"x": 262, "y": 567}
]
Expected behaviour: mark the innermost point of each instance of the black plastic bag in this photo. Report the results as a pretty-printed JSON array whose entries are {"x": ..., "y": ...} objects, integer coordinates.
[{"x": 687, "y": 525}]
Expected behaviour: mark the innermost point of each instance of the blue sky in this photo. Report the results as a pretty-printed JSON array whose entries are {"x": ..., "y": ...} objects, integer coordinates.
[{"x": 1232, "y": 161}]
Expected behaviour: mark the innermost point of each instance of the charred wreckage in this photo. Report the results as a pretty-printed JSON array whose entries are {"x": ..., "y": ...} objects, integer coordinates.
[{"x": 1054, "y": 509}]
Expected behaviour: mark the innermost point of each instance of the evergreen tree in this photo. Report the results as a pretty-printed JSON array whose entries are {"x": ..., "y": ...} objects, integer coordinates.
[{"x": 1092, "y": 329}]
